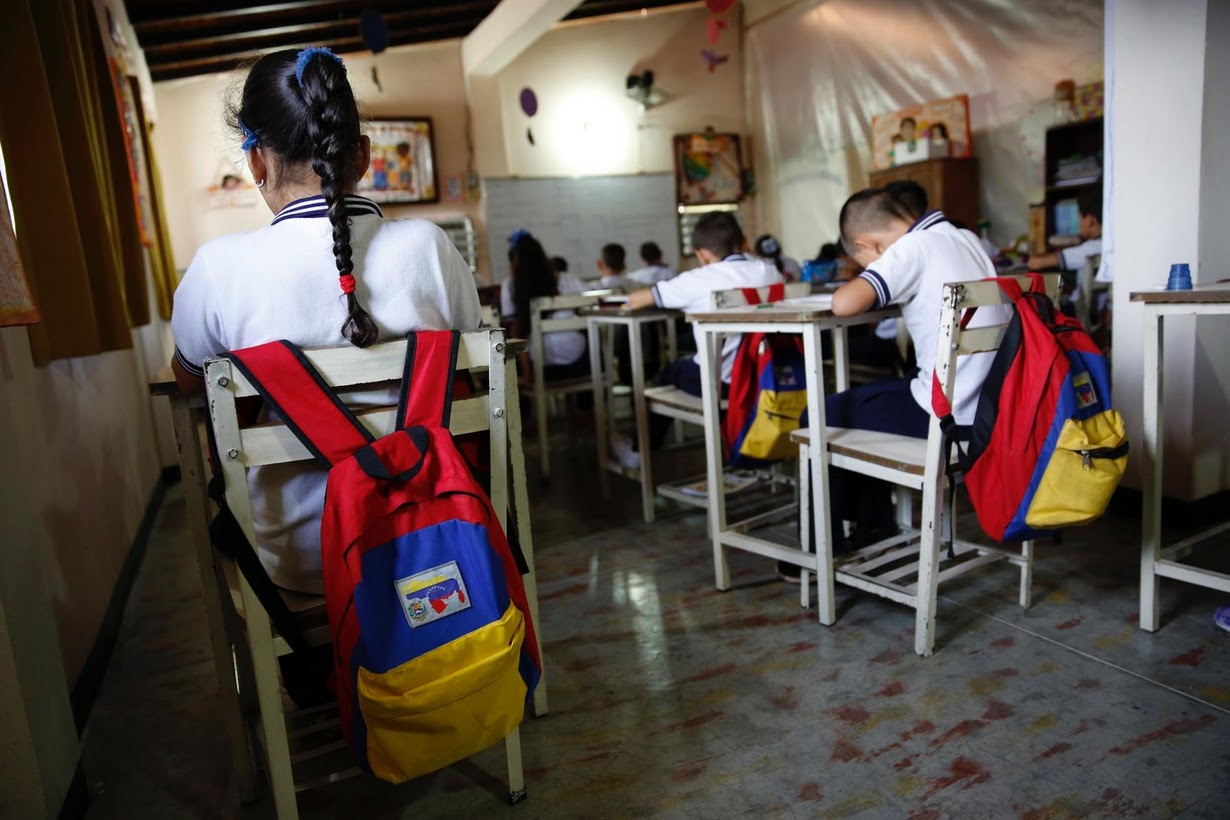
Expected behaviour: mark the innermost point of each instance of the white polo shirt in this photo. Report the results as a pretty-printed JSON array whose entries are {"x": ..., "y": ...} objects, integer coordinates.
[
  {"x": 691, "y": 292},
  {"x": 1074, "y": 258},
  {"x": 281, "y": 282},
  {"x": 563, "y": 346},
  {"x": 652, "y": 274},
  {"x": 912, "y": 273}
]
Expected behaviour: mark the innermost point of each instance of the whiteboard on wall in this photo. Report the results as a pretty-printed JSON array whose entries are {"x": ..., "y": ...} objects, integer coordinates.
[{"x": 575, "y": 217}]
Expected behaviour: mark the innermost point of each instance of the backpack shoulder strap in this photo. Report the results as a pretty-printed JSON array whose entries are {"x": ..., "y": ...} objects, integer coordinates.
[
  {"x": 427, "y": 379},
  {"x": 303, "y": 400}
]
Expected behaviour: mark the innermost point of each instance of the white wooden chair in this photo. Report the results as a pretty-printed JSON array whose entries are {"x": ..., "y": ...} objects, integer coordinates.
[
  {"x": 684, "y": 407},
  {"x": 906, "y": 568},
  {"x": 539, "y": 389},
  {"x": 241, "y": 447},
  {"x": 1087, "y": 289}
]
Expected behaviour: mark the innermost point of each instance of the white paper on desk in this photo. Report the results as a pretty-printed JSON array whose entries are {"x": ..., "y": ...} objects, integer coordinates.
[
  {"x": 615, "y": 299},
  {"x": 823, "y": 301}
]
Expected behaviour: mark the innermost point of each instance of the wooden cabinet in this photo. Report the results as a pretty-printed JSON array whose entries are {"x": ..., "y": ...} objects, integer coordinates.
[
  {"x": 1073, "y": 170},
  {"x": 951, "y": 185}
]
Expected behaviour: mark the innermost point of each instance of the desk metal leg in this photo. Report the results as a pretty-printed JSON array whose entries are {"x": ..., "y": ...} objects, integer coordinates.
[
  {"x": 711, "y": 396},
  {"x": 641, "y": 411},
  {"x": 1154, "y": 415},
  {"x": 600, "y": 406},
  {"x": 819, "y": 484},
  {"x": 841, "y": 359},
  {"x": 194, "y": 478}
]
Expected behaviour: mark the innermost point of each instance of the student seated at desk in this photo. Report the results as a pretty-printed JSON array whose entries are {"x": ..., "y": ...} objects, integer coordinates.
[
  {"x": 655, "y": 270},
  {"x": 569, "y": 283},
  {"x": 906, "y": 262},
  {"x": 533, "y": 277},
  {"x": 329, "y": 269},
  {"x": 1090, "y": 231},
  {"x": 612, "y": 265},
  {"x": 722, "y": 250},
  {"x": 769, "y": 247}
]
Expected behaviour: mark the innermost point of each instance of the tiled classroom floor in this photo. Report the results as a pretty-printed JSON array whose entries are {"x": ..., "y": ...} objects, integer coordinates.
[{"x": 670, "y": 699}]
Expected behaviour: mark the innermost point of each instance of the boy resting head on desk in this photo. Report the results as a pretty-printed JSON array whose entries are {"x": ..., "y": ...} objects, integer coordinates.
[
  {"x": 612, "y": 265},
  {"x": 907, "y": 261}
]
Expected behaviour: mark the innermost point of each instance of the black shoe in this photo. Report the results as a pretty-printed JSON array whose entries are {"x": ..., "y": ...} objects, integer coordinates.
[{"x": 788, "y": 572}]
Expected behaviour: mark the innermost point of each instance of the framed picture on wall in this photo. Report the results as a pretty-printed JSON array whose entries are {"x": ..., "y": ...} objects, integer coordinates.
[
  {"x": 708, "y": 169},
  {"x": 403, "y": 166},
  {"x": 933, "y": 129}
]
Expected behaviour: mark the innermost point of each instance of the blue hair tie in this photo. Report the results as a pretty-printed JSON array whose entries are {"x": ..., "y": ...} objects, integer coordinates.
[
  {"x": 250, "y": 140},
  {"x": 306, "y": 56},
  {"x": 518, "y": 235}
]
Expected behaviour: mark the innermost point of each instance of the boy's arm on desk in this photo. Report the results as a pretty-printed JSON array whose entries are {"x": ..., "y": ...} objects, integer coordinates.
[
  {"x": 856, "y": 296},
  {"x": 187, "y": 383},
  {"x": 642, "y": 298}
]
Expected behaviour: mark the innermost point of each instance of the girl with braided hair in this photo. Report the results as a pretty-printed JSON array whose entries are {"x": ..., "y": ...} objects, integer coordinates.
[{"x": 329, "y": 269}]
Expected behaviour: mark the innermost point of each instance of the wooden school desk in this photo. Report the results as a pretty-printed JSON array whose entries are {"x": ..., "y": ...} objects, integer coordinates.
[
  {"x": 1156, "y": 562},
  {"x": 806, "y": 317},
  {"x": 633, "y": 320}
]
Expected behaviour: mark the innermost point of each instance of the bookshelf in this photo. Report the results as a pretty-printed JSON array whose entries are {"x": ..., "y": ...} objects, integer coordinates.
[{"x": 1073, "y": 167}]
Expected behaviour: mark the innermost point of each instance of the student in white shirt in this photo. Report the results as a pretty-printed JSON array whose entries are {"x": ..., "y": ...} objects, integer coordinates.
[
  {"x": 612, "y": 267},
  {"x": 907, "y": 261},
  {"x": 328, "y": 269},
  {"x": 721, "y": 249},
  {"x": 769, "y": 247},
  {"x": 533, "y": 277},
  {"x": 655, "y": 270},
  {"x": 569, "y": 283},
  {"x": 1090, "y": 232}
]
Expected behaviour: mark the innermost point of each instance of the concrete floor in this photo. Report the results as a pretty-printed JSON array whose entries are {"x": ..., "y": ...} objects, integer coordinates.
[{"x": 670, "y": 699}]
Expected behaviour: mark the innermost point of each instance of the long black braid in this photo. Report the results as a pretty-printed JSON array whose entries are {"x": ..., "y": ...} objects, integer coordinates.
[{"x": 299, "y": 104}]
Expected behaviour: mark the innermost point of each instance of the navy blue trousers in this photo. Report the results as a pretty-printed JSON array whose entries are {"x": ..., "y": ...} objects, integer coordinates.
[{"x": 885, "y": 406}]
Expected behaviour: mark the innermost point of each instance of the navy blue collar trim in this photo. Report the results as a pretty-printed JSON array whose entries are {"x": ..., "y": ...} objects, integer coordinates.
[
  {"x": 928, "y": 220},
  {"x": 736, "y": 257},
  {"x": 314, "y": 206}
]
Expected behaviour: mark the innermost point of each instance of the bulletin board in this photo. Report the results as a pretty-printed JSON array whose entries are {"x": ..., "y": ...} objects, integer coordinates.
[{"x": 575, "y": 217}]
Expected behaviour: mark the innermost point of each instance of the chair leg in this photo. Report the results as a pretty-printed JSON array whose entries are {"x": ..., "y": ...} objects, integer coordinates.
[
  {"x": 804, "y": 501},
  {"x": 516, "y": 776},
  {"x": 268, "y": 691},
  {"x": 1027, "y": 574},
  {"x": 544, "y": 444},
  {"x": 927, "y": 589}
]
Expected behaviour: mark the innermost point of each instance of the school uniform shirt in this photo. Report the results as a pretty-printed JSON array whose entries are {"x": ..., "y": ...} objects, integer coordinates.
[
  {"x": 912, "y": 273},
  {"x": 791, "y": 269},
  {"x": 692, "y": 291},
  {"x": 562, "y": 346},
  {"x": 281, "y": 282},
  {"x": 1074, "y": 258},
  {"x": 652, "y": 274},
  {"x": 615, "y": 281}
]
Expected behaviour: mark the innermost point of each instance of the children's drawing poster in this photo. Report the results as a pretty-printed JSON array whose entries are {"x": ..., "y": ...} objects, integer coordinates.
[
  {"x": 403, "y": 165},
  {"x": 708, "y": 169},
  {"x": 16, "y": 303},
  {"x": 946, "y": 119}
]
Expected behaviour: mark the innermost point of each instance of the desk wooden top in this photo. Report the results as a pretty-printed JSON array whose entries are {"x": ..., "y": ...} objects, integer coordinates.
[
  {"x": 162, "y": 383},
  {"x": 610, "y": 311},
  {"x": 1200, "y": 295},
  {"x": 788, "y": 312}
]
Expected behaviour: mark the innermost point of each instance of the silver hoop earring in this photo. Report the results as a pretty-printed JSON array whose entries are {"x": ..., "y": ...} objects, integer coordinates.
[{"x": 260, "y": 183}]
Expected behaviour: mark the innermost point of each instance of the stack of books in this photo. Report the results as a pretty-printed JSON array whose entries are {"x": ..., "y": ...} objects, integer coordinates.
[{"x": 1078, "y": 170}]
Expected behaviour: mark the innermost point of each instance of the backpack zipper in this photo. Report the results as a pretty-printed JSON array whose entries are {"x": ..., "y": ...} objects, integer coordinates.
[{"x": 1087, "y": 456}]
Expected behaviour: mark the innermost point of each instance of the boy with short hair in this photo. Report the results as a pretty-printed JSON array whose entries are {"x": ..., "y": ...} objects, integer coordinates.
[
  {"x": 655, "y": 270},
  {"x": 907, "y": 261},
  {"x": 1090, "y": 231},
  {"x": 611, "y": 267}
]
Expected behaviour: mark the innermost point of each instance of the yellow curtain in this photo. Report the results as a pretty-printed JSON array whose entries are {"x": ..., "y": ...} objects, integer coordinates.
[
  {"x": 72, "y": 195},
  {"x": 161, "y": 259}
]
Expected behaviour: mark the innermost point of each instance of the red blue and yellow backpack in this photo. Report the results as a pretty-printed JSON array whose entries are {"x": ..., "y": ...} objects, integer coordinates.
[
  {"x": 1046, "y": 449},
  {"x": 434, "y": 652},
  {"x": 768, "y": 394}
]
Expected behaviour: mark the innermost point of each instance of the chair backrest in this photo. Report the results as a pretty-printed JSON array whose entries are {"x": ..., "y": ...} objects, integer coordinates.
[
  {"x": 272, "y": 442},
  {"x": 491, "y": 315},
  {"x": 735, "y": 297},
  {"x": 957, "y": 341}
]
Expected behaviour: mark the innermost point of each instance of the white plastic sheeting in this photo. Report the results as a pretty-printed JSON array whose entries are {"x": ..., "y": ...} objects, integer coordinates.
[{"x": 819, "y": 70}]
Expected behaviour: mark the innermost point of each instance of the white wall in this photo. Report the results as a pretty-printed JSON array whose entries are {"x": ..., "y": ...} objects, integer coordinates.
[
  {"x": 196, "y": 148},
  {"x": 1168, "y": 118},
  {"x": 586, "y": 125}
]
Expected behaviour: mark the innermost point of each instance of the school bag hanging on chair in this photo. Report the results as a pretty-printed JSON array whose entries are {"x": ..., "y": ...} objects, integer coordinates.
[
  {"x": 1046, "y": 449},
  {"x": 434, "y": 652},
  {"x": 768, "y": 394}
]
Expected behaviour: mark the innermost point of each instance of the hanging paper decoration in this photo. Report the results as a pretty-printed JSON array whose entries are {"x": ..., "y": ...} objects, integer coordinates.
[
  {"x": 713, "y": 59},
  {"x": 374, "y": 32},
  {"x": 716, "y": 24},
  {"x": 719, "y": 6},
  {"x": 376, "y": 80},
  {"x": 529, "y": 135},
  {"x": 529, "y": 102}
]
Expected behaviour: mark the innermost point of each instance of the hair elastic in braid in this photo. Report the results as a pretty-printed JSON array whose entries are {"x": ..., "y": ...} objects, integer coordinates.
[
  {"x": 304, "y": 57},
  {"x": 250, "y": 140},
  {"x": 348, "y": 283}
]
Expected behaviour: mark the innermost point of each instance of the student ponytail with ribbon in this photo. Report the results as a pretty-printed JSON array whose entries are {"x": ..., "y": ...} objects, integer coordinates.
[{"x": 297, "y": 108}]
